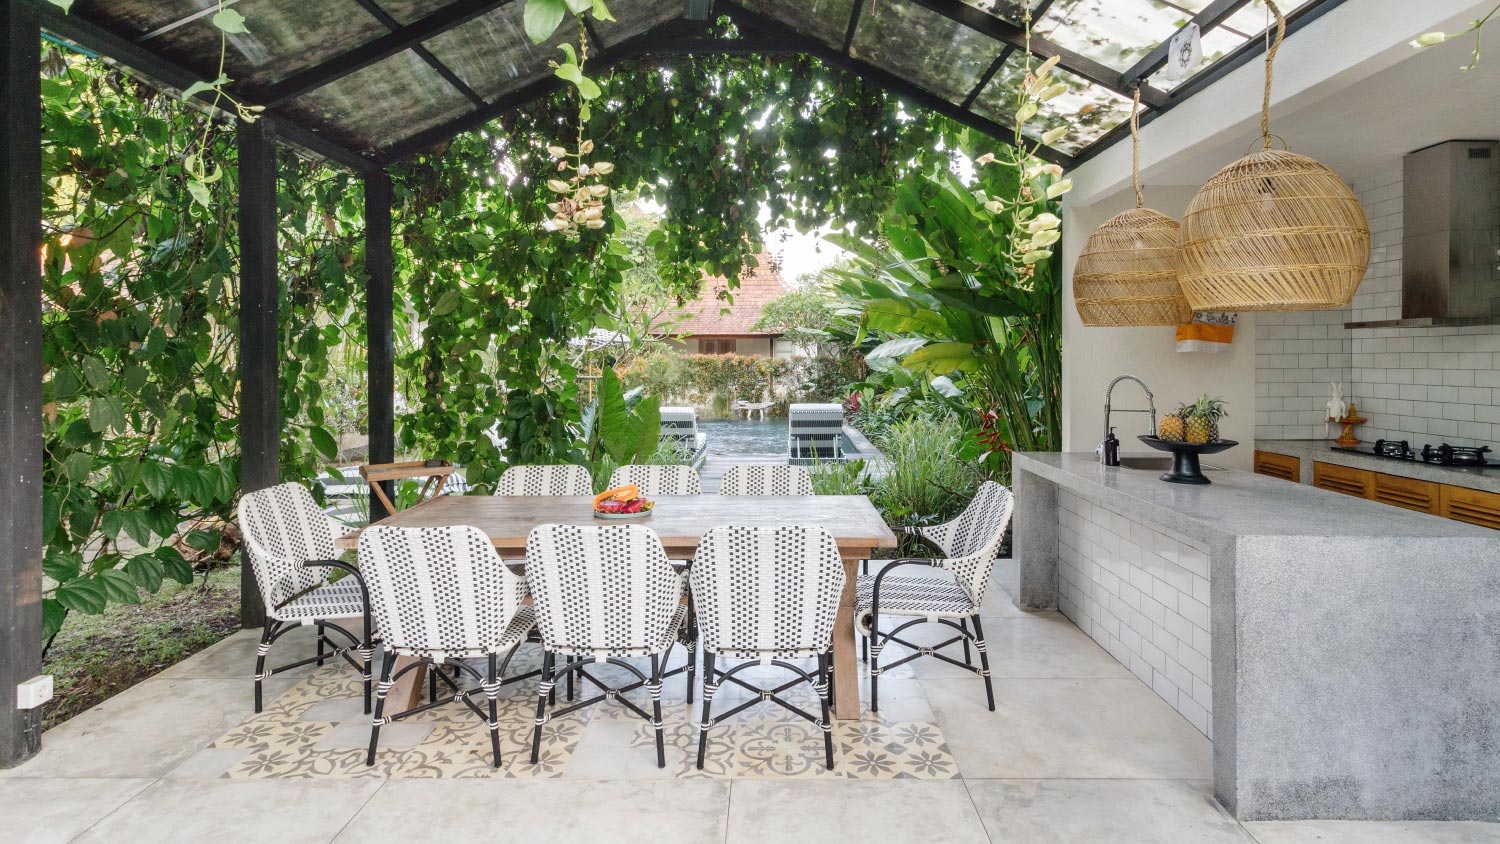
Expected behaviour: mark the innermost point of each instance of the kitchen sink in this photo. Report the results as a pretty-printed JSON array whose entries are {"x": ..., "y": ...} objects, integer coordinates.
[{"x": 1154, "y": 464}]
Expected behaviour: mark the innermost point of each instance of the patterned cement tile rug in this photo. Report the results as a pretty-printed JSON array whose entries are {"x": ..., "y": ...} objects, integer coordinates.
[{"x": 318, "y": 730}]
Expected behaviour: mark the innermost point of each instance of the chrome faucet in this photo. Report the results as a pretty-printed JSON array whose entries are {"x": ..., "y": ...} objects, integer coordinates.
[{"x": 1150, "y": 400}]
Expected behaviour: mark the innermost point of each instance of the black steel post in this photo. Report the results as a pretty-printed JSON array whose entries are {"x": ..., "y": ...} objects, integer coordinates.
[
  {"x": 260, "y": 361},
  {"x": 380, "y": 358},
  {"x": 20, "y": 376}
]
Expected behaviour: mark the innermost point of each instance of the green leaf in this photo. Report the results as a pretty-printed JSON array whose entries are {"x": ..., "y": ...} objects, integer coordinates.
[
  {"x": 146, "y": 571},
  {"x": 898, "y": 348},
  {"x": 324, "y": 442},
  {"x": 157, "y": 477},
  {"x": 65, "y": 5},
  {"x": 62, "y": 566},
  {"x": 135, "y": 377},
  {"x": 447, "y": 303},
  {"x": 542, "y": 17},
  {"x": 118, "y": 587},
  {"x": 200, "y": 193},
  {"x": 106, "y": 412},
  {"x": 95, "y": 372},
  {"x": 569, "y": 73},
  {"x": 230, "y": 21},
  {"x": 53, "y": 612},
  {"x": 202, "y": 86},
  {"x": 601, "y": 12},
  {"x": 203, "y": 540},
  {"x": 588, "y": 88},
  {"x": 942, "y": 358},
  {"x": 175, "y": 565},
  {"x": 85, "y": 596},
  {"x": 77, "y": 466},
  {"x": 578, "y": 7}
]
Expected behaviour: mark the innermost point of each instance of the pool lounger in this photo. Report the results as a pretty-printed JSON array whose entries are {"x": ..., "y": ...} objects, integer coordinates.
[
  {"x": 815, "y": 432},
  {"x": 680, "y": 424}
]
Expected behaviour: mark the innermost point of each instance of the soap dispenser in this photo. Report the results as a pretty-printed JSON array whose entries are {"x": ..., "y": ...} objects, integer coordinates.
[{"x": 1111, "y": 449}]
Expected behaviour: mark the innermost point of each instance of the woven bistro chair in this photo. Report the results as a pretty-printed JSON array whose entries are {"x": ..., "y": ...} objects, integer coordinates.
[
  {"x": 658, "y": 480},
  {"x": 289, "y": 545},
  {"x": 767, "y": 595},
  {"x": 766, "y": 480},
  {"x": 562, "y": 479},
  {"x": 443, "y": 596},
  {"x": 968, "y": 545},
  {"x": 604, "y": 595}
]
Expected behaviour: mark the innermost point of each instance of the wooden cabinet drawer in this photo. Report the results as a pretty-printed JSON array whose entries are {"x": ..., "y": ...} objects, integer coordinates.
[
  {"x": 1278, "y": 466},
  {"x": 1355, "y": 482},
  {"x": 1470, "y": 505},
  {"x": 1422, "y": 496}
]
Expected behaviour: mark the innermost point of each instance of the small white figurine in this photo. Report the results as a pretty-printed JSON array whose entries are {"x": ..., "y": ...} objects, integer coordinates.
[{"x": 1337, "y": 409}]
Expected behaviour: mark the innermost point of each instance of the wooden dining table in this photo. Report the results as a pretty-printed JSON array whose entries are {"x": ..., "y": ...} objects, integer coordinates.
[{"x": 680, "y": 521}]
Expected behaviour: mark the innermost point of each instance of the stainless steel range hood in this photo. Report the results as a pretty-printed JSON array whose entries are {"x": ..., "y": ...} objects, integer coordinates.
[{"x": 1450, "y": 253}]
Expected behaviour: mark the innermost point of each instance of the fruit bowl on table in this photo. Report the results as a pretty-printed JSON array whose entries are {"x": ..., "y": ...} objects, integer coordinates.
[
  {"x": 622, "y": 503},
  {"x": 1185, "y": 466}
]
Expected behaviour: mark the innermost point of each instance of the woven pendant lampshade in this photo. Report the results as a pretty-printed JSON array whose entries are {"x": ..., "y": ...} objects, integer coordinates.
[
  {"x": 1274, "y": 231},
  {"x": 1127, "y": 274}
]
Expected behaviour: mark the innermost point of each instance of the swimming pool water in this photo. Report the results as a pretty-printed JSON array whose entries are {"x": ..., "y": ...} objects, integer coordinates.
[{"x": 738, "y": 436}]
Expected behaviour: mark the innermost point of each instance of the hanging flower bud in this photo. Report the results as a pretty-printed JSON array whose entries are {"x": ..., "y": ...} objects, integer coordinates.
[
  {"x": 558, "y": 185},
  {"x": 557, "y": 152},
  {"x": 1052, "y": 136},
  {"x": 604, "y": 168},
  {"x": 987, "y": 158}
]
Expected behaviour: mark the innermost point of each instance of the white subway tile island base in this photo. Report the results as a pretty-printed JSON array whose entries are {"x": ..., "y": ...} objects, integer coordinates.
[{"x": 1342, "y": 655}]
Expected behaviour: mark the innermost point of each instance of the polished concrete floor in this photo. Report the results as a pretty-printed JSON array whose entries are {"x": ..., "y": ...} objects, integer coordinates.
[{"x": 1077, "y": 751}]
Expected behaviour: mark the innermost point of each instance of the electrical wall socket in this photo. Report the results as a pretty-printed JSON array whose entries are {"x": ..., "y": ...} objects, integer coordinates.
[{"x": 34, "y": 692}]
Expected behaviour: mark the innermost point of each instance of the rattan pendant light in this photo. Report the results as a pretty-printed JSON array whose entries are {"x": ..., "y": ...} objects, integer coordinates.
[
  {"x": 1274, "y": 231},
  {"x": 1127, "y": 274}
]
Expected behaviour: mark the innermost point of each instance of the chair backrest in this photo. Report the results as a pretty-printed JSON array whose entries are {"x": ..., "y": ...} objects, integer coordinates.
[
  {"x": 438, "y": 590},
  {"x": 284, "y": 528},
  {"x": 766, "y": 480},
  {"x": 815, "y": 430},
  {"x": 971, "y": 541},
  {"x": 563, "y": 479},
  {"x": 604, "y": 591},
  {"x": 658, "y": 480},
  {"x": 767, "y": 589},
  {"x": 679, "y": 424}
]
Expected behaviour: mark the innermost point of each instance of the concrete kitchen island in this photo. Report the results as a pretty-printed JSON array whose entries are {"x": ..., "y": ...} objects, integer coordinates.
[{"x": 1342, "y": 655}]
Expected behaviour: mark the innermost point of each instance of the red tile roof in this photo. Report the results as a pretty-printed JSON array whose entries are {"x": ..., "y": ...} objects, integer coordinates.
[{"x": 706, "y": 313}]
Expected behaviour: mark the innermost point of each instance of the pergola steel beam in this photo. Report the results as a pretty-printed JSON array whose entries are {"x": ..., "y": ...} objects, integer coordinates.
[
  {"x": 775, "y": 37},
  {"x": 91, "y": 36},
  {"x": 1008, "y": 33},
  {"x": 1212, "y": 15},
  {"x": 854, "y": 13},
  {"x": 423, "y": 53},
  {"x": 20, "y": 376},
  {"x": 380, "y": 360},
  {"x": 412, "y": 35},
  {"x": 259, "y": 356}
]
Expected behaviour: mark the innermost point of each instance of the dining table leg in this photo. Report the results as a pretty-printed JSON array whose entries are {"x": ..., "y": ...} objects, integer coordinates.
[
  {"x": 406, "y": 693},
  {"x": 845, "y": 649}
]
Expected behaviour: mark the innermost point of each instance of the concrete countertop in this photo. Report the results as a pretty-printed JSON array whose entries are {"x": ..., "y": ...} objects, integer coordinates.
[
  {"x": 1238, "y": 504},
  {"x": 1322, "y": 451}
]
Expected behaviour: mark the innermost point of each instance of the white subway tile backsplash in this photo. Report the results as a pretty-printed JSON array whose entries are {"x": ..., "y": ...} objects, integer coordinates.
[{"x": 1413, "y": 383}]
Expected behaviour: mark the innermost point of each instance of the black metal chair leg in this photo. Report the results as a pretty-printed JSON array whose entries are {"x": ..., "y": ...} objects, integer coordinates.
[
  {"x": 260, "y": 661},
  {"x": 984, "y": 662},
  {"x": 322, "y": 643},
  {"x": 571, "y": 692},
  {"x": 661, "y": 749},
  {"x": 874, "y": 662},
  {"x": 708, "y": 702},
  {"x": 492, "y": 682},
  {"x": 543, "y": 691},
  {"x": 432, "y": 682},
  {"x": 963, "y": 624},
  {"x": 380, "y": 691},
  {"x": 827, "y": 725}
]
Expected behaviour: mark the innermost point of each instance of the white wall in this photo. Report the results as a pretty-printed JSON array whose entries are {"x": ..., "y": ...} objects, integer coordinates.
[{"x": 1092, "y": 357}]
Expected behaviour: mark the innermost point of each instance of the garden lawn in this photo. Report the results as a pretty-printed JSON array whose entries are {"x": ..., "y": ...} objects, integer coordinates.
[{"x": 97, "y": 656}]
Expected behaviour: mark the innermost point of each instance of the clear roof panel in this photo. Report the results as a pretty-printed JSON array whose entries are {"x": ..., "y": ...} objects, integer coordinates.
[
  {"x": 1008, "y": 10},
  {"x": 924, "y": 47},
  {"x": 140, "y": 16},
  {"x": 285, "y": 36},
  {"x": 383, "y": 103},
  {"x": 634, "y": 17},
  {"x": 1091, "y": 109},
  {"x": 825, "y": 20},
  {"x": 492, "y": 53},
  {"x": 1115, "y": 33},
  {"x": 411, "y": 11},
  {"x": 1250, "y": 21}
]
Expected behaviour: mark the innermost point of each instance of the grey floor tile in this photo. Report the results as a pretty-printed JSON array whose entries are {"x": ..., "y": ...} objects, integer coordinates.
[
  {"x": 1116, "y": 811},
  {"x": 146, "y": 730},
  {"x": 1374, "y": 832},
  {"x": 234, "y": 657},
  {"x": 1067, "y": 728},
  {"x": 543, "y": 811},
  {"x": 261, "y": 812},
  {"x": 54, "y": 811},
  {"x": 1046, "y": 646},
  {"x": 885, "y": 811}
]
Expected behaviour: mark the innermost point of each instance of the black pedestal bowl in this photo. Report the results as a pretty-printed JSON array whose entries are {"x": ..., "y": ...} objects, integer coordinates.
[{"x": 1185, "y": 468}]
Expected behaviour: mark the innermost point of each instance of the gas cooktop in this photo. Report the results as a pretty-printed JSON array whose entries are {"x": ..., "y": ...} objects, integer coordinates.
[{"x": 1466, "y": 457}]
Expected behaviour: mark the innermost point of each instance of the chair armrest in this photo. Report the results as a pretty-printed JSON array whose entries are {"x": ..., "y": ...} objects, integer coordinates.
[{"x": 364, "y": 590}]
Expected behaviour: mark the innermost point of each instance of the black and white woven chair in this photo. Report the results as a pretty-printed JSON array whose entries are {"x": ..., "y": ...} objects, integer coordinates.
[
  {"x": 968, "y": 544},
  {"x": 766, "y": 480},
  {"x": 767, "y": 595},
  {"x": 289, "y": 544},
  {"x": 604, "y": 594},
  {"x": 561, "y": 479},
  {"x": 658, "y": 480},
  {"x": 442, "y": 596}
]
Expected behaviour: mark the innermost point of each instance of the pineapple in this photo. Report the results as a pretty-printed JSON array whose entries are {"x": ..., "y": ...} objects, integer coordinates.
[
  {"x": 1173, "y": 427},
  {"x": 1203, "y": 420}
]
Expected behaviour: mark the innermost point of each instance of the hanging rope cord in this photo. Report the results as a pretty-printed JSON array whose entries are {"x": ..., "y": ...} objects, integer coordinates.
[
  {"x": 1135, "y": 148},
  {"x": 1265, "y": 108}
]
